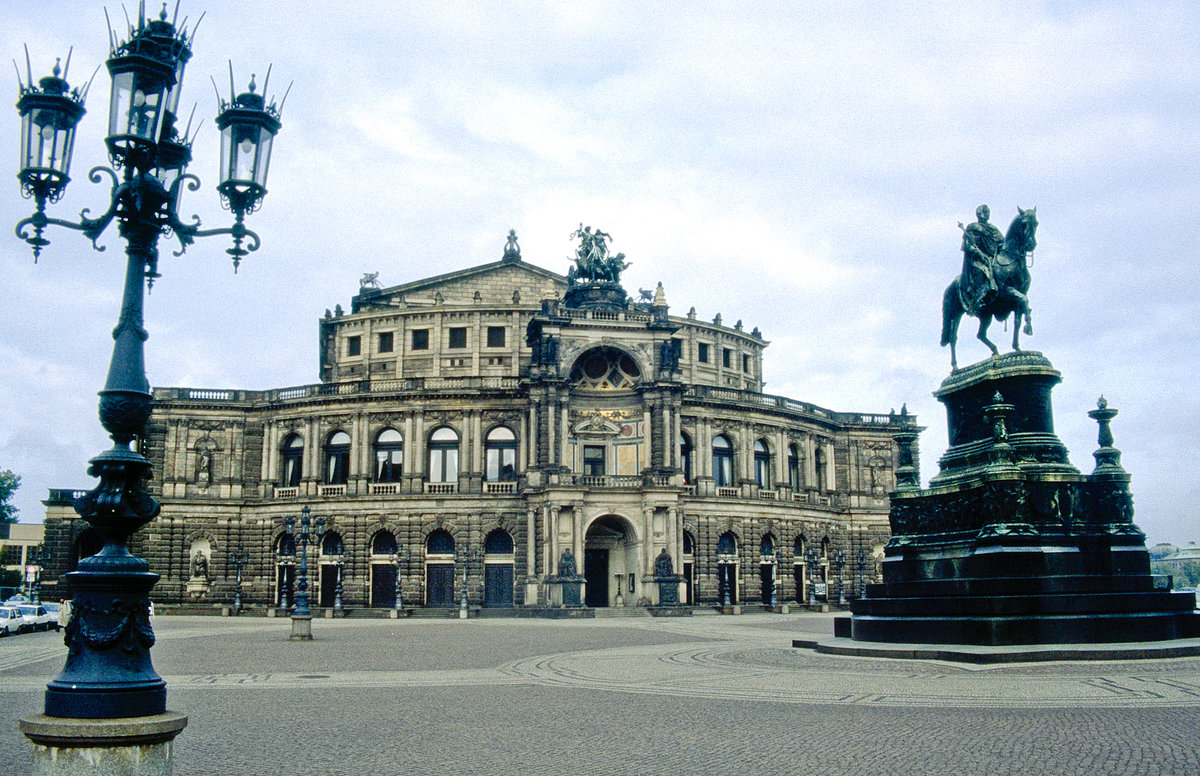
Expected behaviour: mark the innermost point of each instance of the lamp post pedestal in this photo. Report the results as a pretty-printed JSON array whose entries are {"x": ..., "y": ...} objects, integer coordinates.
[
  {"x": 301, "y": 628},
  {"x": 122, "y": 746}
]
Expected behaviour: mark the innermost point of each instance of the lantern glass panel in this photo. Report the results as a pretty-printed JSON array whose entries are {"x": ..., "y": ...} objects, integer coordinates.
[
  {"x": 135, "y": 109},
  {"x": 47, "y": 137},
  {"x": 245, "y": 154}
]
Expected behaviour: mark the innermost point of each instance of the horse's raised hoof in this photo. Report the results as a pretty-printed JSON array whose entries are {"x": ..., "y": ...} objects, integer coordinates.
[{"x": 1028, "y": 327}]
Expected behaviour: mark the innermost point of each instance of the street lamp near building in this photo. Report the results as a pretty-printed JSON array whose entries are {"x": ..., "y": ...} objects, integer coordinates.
[
  {"x": 399, "y": 557},
  {"x": 839, "y": 563},
  {"x": 302, "y": 614},
  {"x": 466, "y": 557},
  {"x": 108, "y": 672},
  {"x": 812, "y": 557},
  {"x": 338, "y": 608},
  {"x": 239, "y": 557}
]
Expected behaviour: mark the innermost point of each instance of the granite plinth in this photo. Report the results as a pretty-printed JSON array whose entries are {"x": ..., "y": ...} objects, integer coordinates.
[
  {"x": 1011, "y": 544},
  {"x": 120, "y": 746}
]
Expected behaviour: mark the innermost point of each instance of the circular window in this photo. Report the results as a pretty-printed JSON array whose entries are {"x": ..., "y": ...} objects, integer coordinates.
[{"x": 606, "y": 369}]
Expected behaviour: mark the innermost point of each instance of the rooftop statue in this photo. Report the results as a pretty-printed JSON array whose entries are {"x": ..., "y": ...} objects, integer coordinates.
[
  {"x": 592, "y": 262},
  {"x": 994, "y": 280}
]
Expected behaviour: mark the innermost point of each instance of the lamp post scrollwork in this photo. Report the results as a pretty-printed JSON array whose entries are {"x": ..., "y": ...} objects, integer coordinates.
[{"x": 108, "y": 672}]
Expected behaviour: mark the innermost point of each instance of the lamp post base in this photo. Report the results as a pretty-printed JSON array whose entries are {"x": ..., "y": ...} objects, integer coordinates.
[
  {"x": 123, "y": 746},
  {"x": 301, "y": 628}
]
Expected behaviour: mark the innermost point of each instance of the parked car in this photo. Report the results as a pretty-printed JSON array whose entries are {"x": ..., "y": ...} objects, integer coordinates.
[
  {"x": 16, "y": 600},
  {"x": 10, "y": 621},
  {"x": 52, "y": 607},
  {"x": 35, "y": 616}
]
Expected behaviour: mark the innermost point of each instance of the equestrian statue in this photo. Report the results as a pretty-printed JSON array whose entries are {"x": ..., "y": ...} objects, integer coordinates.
[{"x": 994, "y": 280}]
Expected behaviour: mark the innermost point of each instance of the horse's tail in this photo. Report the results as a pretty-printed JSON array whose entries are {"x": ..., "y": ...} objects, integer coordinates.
[{"x": 951, "y": 312}]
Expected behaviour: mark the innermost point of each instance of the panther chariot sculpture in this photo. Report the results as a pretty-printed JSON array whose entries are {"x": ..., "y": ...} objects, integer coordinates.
[{"x": 995, "y": 279}]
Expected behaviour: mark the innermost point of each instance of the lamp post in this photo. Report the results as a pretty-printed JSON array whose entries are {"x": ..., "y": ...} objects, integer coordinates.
[
  {"x": 839, "y": 563},
  {"x": 770, "y": 559},
  {"x": 812, "y": 557},
  {"x": 285, "y": 605},
  {"x": 862, "y": 572},
  {"x": 399, "y": 557},
  {"x": 467, "y": 557},
  {"x": 302, "y": 614},
  {"x": 724, "y": 562},
  {"x": 338, "y": 608},
  {"x": 108, "y": 672},
  {"x": 239, "y": 558}
]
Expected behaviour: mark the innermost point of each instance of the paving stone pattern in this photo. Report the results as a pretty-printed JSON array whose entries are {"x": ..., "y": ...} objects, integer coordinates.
[{"x": 706, "y": 695}]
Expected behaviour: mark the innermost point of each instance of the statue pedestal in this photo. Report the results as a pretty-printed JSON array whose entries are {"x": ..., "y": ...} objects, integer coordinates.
[
  {"x": 124, "y": 746},
  {"x": 1011, "y": 545},
  {"x": 565, "y": 591},
  {"x": 197, "y": 588}
]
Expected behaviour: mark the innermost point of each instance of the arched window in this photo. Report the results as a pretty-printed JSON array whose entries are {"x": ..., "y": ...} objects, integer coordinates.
[
  {"x": 383, "y": 543},
  {"x": 500, "y": 453},
  {"x": 331, "y": 544},
  {"x": 389, "y": 456},
  {"x": 798, "y": 548},
  {"x": 722, "y": 459},
  {"x": 766, "y": 547},
  {"x": 337, "y": 458},
  {"x": 689, "y": 543},
  {"x": 443, "y": 455},
  {"x": 794, "y": 466},
  {"x": 440, "y": 542},
  {"x": 685, "y": 456},
  {"x": 727, "y": 544},
  {"x": 762, "y": 464},
  {"x": 293, "y": 461},
  {"x": 498, "y": 542},
  {"x": 285, "y": 545},
  {"x": 605, "y": 369}
]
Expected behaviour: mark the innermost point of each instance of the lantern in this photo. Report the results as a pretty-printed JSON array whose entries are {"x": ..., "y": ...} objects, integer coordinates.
[
  {"x": 247, "y": 129},
  {"x": 49, "y": 116}
]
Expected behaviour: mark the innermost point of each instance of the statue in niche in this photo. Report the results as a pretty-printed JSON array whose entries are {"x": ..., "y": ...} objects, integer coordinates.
[
  {"x": 199, "y": 566},
  {"x": 668, "y": 358},
  {"x": 204, "y": 467}
]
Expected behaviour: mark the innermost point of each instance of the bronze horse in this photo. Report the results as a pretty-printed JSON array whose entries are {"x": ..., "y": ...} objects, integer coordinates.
[{"x": 1012, "y": 286}]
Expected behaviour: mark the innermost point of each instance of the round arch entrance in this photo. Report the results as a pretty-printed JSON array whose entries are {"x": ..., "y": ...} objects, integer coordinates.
[{"x": 610, "y": 563}]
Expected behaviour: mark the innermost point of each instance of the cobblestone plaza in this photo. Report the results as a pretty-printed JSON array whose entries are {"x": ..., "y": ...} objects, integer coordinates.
[{"x": 624, "y": 695}]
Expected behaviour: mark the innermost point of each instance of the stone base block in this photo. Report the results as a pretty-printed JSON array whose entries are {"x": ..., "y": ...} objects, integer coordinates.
[{"x": 124, "y": 746}]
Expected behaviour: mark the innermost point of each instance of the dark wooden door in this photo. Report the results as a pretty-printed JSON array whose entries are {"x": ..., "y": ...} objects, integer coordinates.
[
  {"x": 688, "y": 573},
  {"x": 329, "y": 573},
  {"x": 595, "y": 572},
  {"x": 383, "y": 585},
  {"x": 439, "y": 585},
  {"x": 497, "y": 585},
  {"x": 767, "y": 577}
]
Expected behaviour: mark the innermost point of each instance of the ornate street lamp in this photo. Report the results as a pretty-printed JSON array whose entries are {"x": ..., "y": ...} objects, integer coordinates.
[
  {"x": 725, "y": 560},
  {"x": 338, "y": 608},
  {"x": 34, "y": 560},
  {"x": 302, "y": 614},
  {"x": 467, "y": 557},
  {"x": 812, "y": 557},
  {"x": 839, "y": 563},
  {"x": 108, "y": 671},
  {"x": 770, "y": 558},
  {"x": 289, "y": 531},
  {"x": 399, "y": 557},
  {"x": 239, "y": 557}
]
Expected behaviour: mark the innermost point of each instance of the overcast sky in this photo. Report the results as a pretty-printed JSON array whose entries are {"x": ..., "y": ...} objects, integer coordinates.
[{"x": 799, "y": 166}]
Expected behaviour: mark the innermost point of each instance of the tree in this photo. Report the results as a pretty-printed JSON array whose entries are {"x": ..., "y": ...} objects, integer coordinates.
[{"x": 9, "y": 483}]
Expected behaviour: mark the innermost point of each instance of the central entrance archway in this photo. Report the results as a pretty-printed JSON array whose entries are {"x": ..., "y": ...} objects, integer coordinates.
[{"x": 610, "y": 563}]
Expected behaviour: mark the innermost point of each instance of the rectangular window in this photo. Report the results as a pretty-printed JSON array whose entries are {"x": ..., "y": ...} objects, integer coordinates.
[
  {"x": 495, "y": 336},
  {"x": 726, "y": 358},
  {"x": 420, "y": 339},
  {"x": 458, "y": 336},
  {"x": 386, "y": 339},
  {"x": 593, "y": 460},
  {"x": 702, "y": 356},
  {"x": 746, "y": 364},
  {"x": 353, "y": 346},
  {"x": 677, "y": 346}
]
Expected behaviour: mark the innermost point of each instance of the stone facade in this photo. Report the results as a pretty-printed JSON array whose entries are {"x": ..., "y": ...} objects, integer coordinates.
[{"x": 472, "y": 426}]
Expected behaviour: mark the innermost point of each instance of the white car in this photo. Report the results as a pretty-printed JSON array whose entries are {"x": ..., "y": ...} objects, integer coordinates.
[
  {"x": 10, "y": 621},
  {"x": 36, "y": 617}
]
